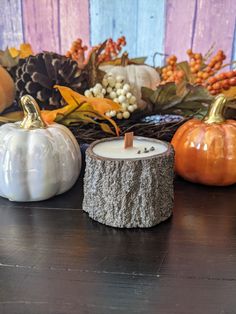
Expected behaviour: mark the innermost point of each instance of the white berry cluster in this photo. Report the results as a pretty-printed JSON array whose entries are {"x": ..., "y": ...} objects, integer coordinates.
[{"x": 116, "y": 89}]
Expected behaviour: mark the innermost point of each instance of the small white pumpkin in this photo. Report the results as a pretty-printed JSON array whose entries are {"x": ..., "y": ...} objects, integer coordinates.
[
  {"x": 37, "y": 160},
  {"x": 136, "y": 75}
]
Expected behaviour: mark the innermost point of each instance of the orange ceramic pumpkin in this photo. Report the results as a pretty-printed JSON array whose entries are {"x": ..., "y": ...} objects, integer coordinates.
[
  {"x": 7, "y": 89},
  {"x": 206, "y": 149}
]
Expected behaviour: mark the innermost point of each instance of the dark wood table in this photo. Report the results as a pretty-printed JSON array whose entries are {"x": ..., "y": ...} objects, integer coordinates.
[{"x": 55, "y": 259}]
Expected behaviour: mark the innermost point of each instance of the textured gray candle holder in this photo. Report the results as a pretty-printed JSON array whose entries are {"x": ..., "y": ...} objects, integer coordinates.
[{"x": 129, "y": 193}]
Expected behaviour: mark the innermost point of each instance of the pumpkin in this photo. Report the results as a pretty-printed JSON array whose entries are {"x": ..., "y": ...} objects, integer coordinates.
[
  {"x": 37, "y": 160},
  {"x": 205, "y": 150},
  {"x": 137, "y": 76},
  {"x": 7, "y": 89}
]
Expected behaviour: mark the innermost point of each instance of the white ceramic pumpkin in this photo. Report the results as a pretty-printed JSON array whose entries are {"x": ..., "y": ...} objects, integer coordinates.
[
  {"x": 137, "y": 76},
  {"x": 37, "y": 160},
  {"x": 7, "y": 89}
]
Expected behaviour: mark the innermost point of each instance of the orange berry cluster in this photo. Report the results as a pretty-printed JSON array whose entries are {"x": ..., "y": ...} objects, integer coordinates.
[
  {"x": 77, "y": 51},
  {"x": 196, "y": 60},
  {"x": 112, "y": 49},
  {"x": 201, "y": 71},
  {"x": 171, "y": 73},
  {"x": 221, "y": 81}
]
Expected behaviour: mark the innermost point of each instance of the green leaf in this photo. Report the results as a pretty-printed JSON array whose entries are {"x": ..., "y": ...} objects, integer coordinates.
[
  {"x": 139, "y": 60},
  {"x": 179, "y": 99},
  {"x": 118, "y": 61},
  {"x": 198, "y": 93},
  {"x": 184, "y": 66}
]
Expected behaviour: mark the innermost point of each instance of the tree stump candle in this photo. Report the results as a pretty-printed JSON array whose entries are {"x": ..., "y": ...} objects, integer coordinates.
[{"x": 129, "y": 187}]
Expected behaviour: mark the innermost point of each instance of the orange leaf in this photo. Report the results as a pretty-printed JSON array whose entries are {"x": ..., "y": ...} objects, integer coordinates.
[{"x": 50, "y": 116}]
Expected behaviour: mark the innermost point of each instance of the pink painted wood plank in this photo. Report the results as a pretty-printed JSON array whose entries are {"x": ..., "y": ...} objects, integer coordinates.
[
  {"x": 74, "y": 22},
  {"x": 215, "y": 20},
  {"x": 41, "y": 27},
  {"x": 180, "y": 16}
]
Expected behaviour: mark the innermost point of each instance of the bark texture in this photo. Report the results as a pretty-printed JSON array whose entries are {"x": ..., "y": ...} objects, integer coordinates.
[{"x": 129, "y": 193}]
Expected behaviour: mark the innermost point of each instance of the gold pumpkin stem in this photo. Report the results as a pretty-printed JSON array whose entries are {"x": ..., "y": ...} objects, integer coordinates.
[
  {"x": 32, "y": 116},
  {"x": 216, "y": 110}
]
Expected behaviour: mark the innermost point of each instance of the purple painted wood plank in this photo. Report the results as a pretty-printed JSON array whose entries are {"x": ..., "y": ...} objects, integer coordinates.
[
  {"x": 74, "y": 22},
  {"x": 215, "y": 20},
  {"x": 11, "y": 33},
  {"x": 179, "y": 26},
  {"x": 41, "y": 24}
]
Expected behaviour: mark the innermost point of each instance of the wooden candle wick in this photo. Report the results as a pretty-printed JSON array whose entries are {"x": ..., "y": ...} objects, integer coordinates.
[{"x": 129, "y": 139}]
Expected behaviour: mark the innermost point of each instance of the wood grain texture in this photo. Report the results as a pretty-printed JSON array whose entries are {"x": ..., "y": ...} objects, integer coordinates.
[
  {"x": 180, "y": 19},
  {"x": 214, "y": 23},
  {"x": 41, "y": 24},
  {"x": 114, "y": 19},
  {"x": 150, "y": 35},
  {"x": 59, "y": 261},
  {"x": 11, "y": 32},
  {"x": 74, "y": 22}
]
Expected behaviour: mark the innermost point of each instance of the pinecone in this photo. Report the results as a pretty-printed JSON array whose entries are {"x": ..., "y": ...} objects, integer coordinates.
[{"x": 36, "y": 75}]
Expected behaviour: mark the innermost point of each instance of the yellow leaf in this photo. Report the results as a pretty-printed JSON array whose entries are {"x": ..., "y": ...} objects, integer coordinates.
[
  {"x": 80, "y": 115},
  {"x": 105, "y": 127},
  {"x": 14, "y": 52},
  {"x": 114, "y": 124},
  {"x": 80, "y": 118},
  {"x": 77, "y": 114},
  {"x": 67, "y": 94},
  {"x": 25, "y": 50},
  {"x": 85, "y": 106},
  {"x": 230, "y": 93},
  {"x": 11, "y": 117},
  {"x": 14, "y": 116}
]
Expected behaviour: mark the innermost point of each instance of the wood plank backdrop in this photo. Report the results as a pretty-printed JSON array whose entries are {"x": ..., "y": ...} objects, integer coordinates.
[{"x": 165, "y": 26}]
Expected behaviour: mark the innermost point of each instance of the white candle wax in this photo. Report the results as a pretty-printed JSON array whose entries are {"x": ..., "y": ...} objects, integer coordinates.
[{"x": 115, "y": 149}]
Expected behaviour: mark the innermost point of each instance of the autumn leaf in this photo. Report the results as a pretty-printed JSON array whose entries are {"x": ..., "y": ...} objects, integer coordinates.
[
  {"x": 230, "y": 93},
  {"x": 105, "y": 127},
  {"x": 23, "y": 52},
  {"x": 50, "y": 116},
  {"x": 181, "y": 99},
  {"x": 14, "y": 52},
  {"x": 6, "y": 59},
  {"x": 101, "y": 105},
  {"x": 96, "y": 106},
  {"x": 117, "y": 61}
]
